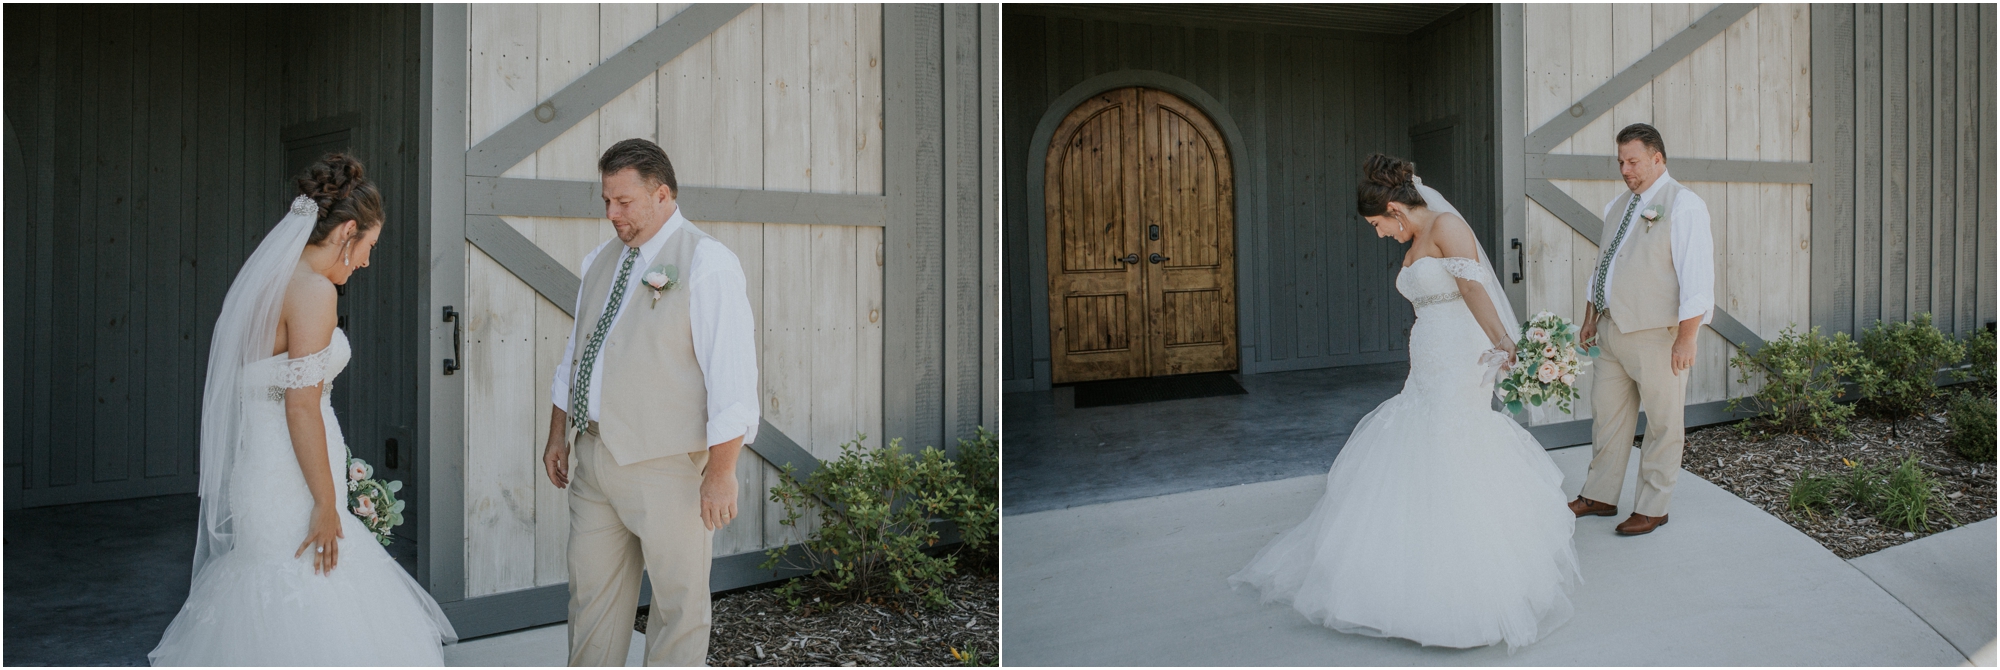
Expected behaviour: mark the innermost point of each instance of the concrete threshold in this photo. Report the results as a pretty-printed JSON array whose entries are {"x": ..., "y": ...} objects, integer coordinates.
[{"x": 1141, "y": 582}]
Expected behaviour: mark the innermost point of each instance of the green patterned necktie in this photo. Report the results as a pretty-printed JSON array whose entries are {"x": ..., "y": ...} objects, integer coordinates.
[
  {"x": 1604, "y": 261},
  {"x": 579, "y": 391}
]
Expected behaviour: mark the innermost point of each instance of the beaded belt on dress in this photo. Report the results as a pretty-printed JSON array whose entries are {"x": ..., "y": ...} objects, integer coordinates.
[
  {"x": 1433, "y": 299},
  {"x": 277, "y": 393}
]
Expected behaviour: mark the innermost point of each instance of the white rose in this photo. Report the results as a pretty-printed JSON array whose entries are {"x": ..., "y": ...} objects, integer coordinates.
[
  {"x": 1569, "y": 378},
  {"x": 655, "y": 280},
  {"x": 1546, "y": 374},
  {"x": 1538, "y": 334}
]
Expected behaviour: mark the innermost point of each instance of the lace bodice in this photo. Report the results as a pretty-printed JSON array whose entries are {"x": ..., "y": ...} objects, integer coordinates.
[
  {"x": 1433, "y": 280},
  {"x": 267, "y": 379}
]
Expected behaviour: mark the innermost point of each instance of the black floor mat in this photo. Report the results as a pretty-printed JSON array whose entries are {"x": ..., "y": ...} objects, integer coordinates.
[{"x": 1155, "y": 389}]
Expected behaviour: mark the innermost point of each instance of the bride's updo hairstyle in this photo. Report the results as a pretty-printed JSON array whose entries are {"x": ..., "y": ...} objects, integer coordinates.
[
  {"x": 1386, "y": 179},
  {"x": 341, "y": 187}
]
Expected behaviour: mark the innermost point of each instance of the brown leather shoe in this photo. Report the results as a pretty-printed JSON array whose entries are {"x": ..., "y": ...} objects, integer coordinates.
[
  {"x": 1640, "y": 524},
  {"x": 1583, "y": 507}
]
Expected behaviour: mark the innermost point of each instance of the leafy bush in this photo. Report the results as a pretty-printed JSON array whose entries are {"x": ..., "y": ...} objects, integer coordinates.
[
  {"x": 1979, "y": 357},
  {"x": 1908, "y": 355},
  {"x": 1970, "y": 419},
  {"x": 1906, "y": 501},
  {"x": 1803, "y": 375},
  {"x": 873, "y": 513},
  {"x": 1810, "y": 492},
  {"x": 976, "y": 510}
]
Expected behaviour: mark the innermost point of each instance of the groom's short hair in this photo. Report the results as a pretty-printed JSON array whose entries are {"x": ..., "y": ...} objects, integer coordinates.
[
  {"x": 1644, "y": 133},
  {"x": 646, "y": 157}
]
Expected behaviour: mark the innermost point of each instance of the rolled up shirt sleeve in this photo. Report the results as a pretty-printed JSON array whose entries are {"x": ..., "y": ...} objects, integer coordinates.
[
  {"x": 1694, "y": 258},
  {"x": 725, "y": 342}
]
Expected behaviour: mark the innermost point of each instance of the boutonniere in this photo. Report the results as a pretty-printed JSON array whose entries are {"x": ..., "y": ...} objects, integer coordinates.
[
  {"x": 1652, "y": 215},
  {"x": 661, "y": 278}
]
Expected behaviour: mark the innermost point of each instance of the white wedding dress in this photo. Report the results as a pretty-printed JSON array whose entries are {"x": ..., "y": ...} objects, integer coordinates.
[
  {"x": 1443, "y": 521},
  {"x": 259, "y": 605}
]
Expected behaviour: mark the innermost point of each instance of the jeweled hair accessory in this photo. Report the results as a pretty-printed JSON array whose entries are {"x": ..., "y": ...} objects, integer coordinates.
[{"x": 304, "y": 206}]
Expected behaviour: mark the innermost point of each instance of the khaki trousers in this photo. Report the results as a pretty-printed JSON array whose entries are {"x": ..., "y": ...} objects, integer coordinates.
[
  {"x": 1635, "y": 369},
  {"x": 625, "y": 518}
]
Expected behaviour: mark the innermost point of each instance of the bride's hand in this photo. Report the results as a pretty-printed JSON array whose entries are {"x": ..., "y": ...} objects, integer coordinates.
[
  {"x": 321, "y": 538},
  {"x": 1513, "y": 356}
]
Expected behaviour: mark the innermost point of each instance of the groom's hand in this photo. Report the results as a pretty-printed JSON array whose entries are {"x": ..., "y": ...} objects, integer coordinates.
[
  {"x": 718, "y": 497},
  {"x": 555, "y": 458}
]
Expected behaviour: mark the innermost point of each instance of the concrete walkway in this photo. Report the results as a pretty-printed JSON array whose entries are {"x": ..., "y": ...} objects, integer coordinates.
[
  {"x": 544, "y": 646},
  {"x": 1936, "y": 578},
  {"x": 1141, "y": 582}
]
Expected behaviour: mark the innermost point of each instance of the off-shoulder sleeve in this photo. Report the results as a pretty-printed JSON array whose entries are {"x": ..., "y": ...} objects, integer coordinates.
[
  {"x": 1464, "y": 268},
  {"x": 303, "y": 372}
]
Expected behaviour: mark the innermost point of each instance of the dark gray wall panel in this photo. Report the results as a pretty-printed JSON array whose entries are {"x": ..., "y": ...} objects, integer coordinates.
[
  {"x": 1902, "y": 147},
  {"x": 1315, "y": 284},
  {"x": 153, "y": 163}
]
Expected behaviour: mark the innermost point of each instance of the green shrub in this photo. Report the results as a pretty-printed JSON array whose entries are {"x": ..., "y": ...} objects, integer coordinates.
[
  {"x": 1810, "y": 492},
  {"x": 1970, "y": 420},
  {"x": 976, "y": 509},
  {"x": 1906, "y": 503},
  {"x": 1908, "y": 355},
  {"x": 1862, "y": 487},
  {"x": 871, "y": 515},
  {"x": 1803, "y": 375},
  {"x": 1980, "y": 361}
]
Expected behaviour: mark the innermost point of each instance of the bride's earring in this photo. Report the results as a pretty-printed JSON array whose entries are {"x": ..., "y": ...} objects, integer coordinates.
[{"x": 344, "y": 251}]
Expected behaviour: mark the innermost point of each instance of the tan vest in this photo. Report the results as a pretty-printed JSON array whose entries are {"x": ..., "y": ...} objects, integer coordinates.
[
  {"x": 652, "y": 400},
  {"x": 1645, "y": 289}
]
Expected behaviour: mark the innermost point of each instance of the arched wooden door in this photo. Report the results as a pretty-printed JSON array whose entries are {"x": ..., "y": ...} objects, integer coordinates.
[{"x": 1141, "y": 235}]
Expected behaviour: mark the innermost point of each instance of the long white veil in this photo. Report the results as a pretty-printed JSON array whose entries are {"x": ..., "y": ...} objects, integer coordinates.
[
  {"x": 245, "y": 332},
  {"x": 1434, "y": 201}
]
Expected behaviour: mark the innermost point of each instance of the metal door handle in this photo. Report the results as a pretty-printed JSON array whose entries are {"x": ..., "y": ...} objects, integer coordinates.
[
  {"x": 457, "y": 361},
  {"x": 1520, "y": 260},
  {"x": 1129, "y": 258},
  {"x": 1157, "y": 258}
]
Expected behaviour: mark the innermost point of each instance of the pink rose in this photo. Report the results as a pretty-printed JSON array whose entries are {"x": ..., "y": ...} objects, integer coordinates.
[
  {"x": 365, "y": 509},
  {"x": 1546, "y": 374}
]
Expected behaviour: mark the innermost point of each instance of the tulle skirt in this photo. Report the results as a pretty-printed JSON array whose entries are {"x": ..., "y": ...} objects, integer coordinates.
[{"x": 1442, "y": 525}]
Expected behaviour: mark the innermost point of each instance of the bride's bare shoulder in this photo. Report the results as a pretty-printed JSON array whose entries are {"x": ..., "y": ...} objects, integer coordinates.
[{"x": 311, "y": 302}]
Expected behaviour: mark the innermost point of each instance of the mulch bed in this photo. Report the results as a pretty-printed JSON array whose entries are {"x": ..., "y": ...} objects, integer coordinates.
[
  {"x": 1761, "y": 470},
  {"x": 757, "y": 628}
]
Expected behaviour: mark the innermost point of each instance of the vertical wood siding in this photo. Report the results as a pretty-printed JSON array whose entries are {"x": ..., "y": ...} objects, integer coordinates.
[
  {"x": 1908, "y": 225},
  {"x": 784, "y": 98},
  {"x": 152, "y": 160},
  {"x": 1316, "y": 287},
  {"x": 1742, "y": 96}
]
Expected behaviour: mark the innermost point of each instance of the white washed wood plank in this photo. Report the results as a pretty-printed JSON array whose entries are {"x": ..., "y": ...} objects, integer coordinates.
[
  {"x": 787, "y": 98},
  {"x": 738, "y": 88},
  {"x": 1592, "y": 57},
  {"x": 1632, "y": 31},
  {"x": 686, "y": 102},
  {"x": 499, "y": 494},
  {"x": 868, "y": 336},
  {"x": 868, "y": 101},
  {"x": 1673, "y": 90},
  {"x": 632, "y": 114},
  {"x": 831, "y": 50},
  {"x": 786, "y": 361},
  {"x": 1547, "y": 32},
  {"x": 833, "y": 339},
  {"x": 502, "y": 85}
]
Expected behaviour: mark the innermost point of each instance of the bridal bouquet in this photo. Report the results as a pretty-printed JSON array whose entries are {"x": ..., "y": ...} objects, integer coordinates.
[
  {"x": 373, "y": 500},
  {"x": 1547, "y": 367}
]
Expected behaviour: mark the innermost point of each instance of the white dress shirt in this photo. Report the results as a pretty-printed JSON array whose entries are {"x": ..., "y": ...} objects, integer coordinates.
[
  {"x": 1693, "y": 246},
  {"x": 725, "y": 342}
]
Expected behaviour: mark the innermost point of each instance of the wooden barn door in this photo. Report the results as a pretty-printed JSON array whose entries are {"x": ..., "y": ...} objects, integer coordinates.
[{"x": 1141, "y": 235}]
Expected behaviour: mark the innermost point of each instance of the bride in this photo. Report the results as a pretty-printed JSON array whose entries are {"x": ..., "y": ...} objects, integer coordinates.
[
  {"x": 284, "y": 574},
  {"x": 1443, "y": 521}
]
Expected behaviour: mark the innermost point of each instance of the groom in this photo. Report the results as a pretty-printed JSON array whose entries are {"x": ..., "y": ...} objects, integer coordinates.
[
  {"x": 656, "y": 395},
  {"x": 1651, "y": 293}
]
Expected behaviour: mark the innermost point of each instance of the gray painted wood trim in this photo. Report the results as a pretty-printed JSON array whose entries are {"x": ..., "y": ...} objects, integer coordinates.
[
  {"x": 1832, "y": 275},
  {"x": 1136, "y": 13},
  {"x": 575, "y": 102},
  {"x": 1566, "y": 208},
  {"x": 778, "y": 449},
  {"x": 514, "y": 610},
  {"x": 440, "y": 431},
  {"x": 989, "y": 213},
  {"x": 1573, "y": 433},
  {"x": 899, "y": 156},
  {"x": 505, "y": 196},
  {"x": 1566, "y": 166},
  {"x": 1581, "y": 220},
  {"x": 1624, "y": 84},
  {"x": 17, "y": 349},
  {"x": 1038, "y": 154},
  {"x": 525, "y": 259},
  {"x": 1510, "y": 139}
]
